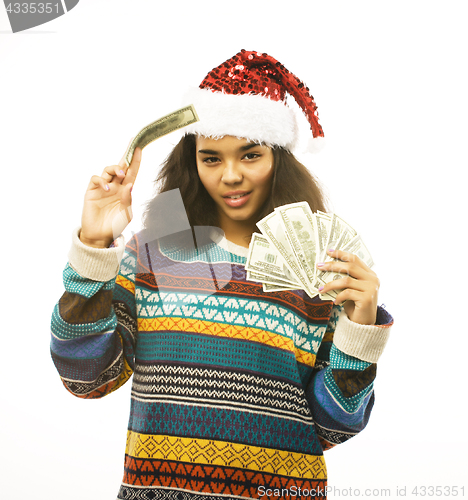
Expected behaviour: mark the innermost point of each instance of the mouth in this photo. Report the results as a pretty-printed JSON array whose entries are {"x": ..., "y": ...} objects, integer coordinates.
[{"x": 236, "y": 198}]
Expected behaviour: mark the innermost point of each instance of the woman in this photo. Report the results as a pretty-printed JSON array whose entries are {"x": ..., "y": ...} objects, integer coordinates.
[{"x": 236, "y": 392}]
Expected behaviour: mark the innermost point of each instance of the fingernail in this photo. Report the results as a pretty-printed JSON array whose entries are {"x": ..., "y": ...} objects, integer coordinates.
[
  {"x": 331, "y": 250},
  {"x": 106, "y": 187},
  {"x": 320, "y": 264},
  {"x": 122, "y": 172},
  {"x": 321, "y": 288}
]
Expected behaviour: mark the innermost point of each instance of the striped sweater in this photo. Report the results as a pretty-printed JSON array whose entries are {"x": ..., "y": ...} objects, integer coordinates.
[{"x": 236, "y": 393}]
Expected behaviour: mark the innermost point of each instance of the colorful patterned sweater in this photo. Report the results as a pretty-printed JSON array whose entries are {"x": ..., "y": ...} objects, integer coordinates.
[{"x": 236, "y": 392}]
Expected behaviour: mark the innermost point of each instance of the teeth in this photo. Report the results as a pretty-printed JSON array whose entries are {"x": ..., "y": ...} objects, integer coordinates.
[{"x": 236, "y": 197}]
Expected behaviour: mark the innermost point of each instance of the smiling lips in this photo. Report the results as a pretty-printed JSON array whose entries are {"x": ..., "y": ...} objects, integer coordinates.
[{"x": 236, "y": 198}]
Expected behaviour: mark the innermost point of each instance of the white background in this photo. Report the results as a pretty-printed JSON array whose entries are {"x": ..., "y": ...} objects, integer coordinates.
[{"x": 390, "y": 82}]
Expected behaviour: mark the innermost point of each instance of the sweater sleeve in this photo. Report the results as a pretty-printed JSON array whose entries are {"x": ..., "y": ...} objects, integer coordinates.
[
  {"x": 94, "y": 323},
  {"x": 341, "y": 391}
]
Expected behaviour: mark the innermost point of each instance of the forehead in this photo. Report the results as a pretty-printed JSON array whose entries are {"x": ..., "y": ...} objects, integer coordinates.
[{"x": 226, "y": 143}]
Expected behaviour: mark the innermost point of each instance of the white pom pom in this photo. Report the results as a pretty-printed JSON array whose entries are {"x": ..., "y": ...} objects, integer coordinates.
[{"x": 315, "y": 144}]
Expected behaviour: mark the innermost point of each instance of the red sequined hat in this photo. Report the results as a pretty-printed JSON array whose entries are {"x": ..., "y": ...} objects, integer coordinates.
[{"x": 246, "y": 97}]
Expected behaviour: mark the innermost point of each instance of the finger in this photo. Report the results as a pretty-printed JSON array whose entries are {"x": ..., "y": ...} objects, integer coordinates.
[
  {"x": 348, "y": 268},
  {"x": 126, "y": 199},
  {"x": 113, "y": 172},
  {"x": 343, "y": 283},
  {"x": 347, "y": 257},
  {"x": 348, "y": 294},
  {"x": 134, "y": 167},
  {"x": 123, "y": 162},
  {"x": 98, "y": 182}
]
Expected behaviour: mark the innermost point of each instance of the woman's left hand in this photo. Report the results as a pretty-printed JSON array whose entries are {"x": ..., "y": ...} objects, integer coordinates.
[{"x": 359, "y": 288}]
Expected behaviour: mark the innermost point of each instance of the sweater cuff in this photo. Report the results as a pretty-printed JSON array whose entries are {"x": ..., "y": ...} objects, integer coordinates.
[
  {"x": 364, "y": 342},
  {"x": 97, "y": 264}
]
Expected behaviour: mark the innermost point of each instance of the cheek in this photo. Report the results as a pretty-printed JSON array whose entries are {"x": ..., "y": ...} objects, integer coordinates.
[
  {"x": 205, "y": 177},
  {"x": 264, "y": 177}
]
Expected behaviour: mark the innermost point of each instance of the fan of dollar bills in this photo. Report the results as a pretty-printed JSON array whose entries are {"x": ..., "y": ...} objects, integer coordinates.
[{"x": 293, "y": 241}]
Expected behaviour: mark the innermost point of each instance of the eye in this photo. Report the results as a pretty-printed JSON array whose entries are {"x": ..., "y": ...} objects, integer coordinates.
[
  {"x": 252, "y": 156},
  {"x": 210, "y": 160}
]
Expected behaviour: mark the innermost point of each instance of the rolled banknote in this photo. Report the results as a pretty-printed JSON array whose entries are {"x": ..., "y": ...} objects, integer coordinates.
[{"x": 165, "y": 125}]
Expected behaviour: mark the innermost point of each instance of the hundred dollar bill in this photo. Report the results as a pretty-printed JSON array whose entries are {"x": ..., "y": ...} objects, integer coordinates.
[
  {"x": 339, "y": 233},
  {"x": 268, "y": 287},
  {"x": 322, "y": 221},
  {"x": 178, "y": 119},
  {"x": 357, "y": 247},
  {"x": 264, "y": 278},
  {"x": 338, "y": 228},
  {"x": 264, "y": 258},
  {"x": 346, "y": 236},
  {"x": 294, "y": 239},
  {"x": 272, "y": 228},
  {"x": 301, "y": 231}
]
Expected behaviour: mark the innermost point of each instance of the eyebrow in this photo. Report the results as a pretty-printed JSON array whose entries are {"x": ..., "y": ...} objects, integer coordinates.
[{"x": 242, "y": 148}]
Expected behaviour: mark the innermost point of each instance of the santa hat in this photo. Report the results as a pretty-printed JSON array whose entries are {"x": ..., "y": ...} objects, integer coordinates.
[{"x": 246, "y": 97}]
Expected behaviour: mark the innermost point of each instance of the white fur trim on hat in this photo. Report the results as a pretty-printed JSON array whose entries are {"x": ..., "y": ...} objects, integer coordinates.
[
  {"x": 315, "y": 144},
  {"x": 249, "y": 116}
]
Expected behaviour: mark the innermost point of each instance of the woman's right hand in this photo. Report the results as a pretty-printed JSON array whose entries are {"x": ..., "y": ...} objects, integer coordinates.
[{"x": 107, "y": 205}]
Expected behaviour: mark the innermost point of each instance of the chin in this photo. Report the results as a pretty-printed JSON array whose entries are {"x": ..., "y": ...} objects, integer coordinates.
[
  {"x": 239, "y": 217},
  {"x": 248, "y": 217}
]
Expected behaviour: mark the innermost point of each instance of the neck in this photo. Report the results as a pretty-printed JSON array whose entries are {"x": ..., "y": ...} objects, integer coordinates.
[{"x": 239, "y": 232}]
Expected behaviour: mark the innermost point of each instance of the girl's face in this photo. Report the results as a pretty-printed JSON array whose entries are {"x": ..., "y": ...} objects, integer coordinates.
[{"x": 237, "y": 174}]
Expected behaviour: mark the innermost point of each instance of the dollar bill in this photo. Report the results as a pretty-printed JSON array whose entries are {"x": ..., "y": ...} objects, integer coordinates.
[
  {"x": 339, "y": 230},
  {"x": 264, "y": 278},
  {"x": 268, "y": 287},
  {"x": 301, "y": 230},
  {"x": 322, "y": 221},
  {"x": 339, "y": 234},
  {"x": 165, "y": 125},
  {"x": 299, "y": 240},
  {"x": 357, "y": 247},
  {"x": 272, "y": 228},
  {"x": 263, "y": 258}
]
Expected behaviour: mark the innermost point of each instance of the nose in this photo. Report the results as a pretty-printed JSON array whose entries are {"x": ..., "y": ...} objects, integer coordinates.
[{"x": 232, "y": 173}]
